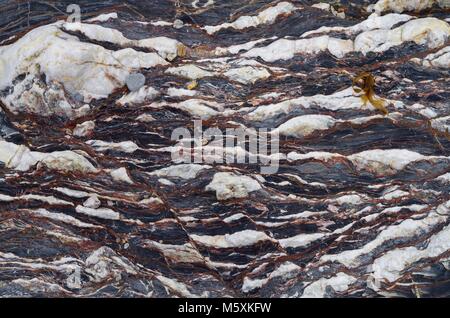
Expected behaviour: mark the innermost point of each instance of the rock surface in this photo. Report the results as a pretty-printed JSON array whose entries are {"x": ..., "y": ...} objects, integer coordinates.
[{"x": 92, "y": 203}]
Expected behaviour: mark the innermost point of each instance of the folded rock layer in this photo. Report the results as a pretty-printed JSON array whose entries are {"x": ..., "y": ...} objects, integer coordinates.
[{"x": 97, "y": 201}]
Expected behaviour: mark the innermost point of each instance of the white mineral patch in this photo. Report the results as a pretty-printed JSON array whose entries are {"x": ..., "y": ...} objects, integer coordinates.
[
  {"x": 121, "y": 175},
  {"x": 406, "y": 229},
  {"x": 179, "y": 92},
  {"x": 176, "y": 286},
  {"x": 199, "y": 108},
  {"x": 442, "y": 124},
  {"x": 285, "y": 49},
  {"x": 47, "y": 199},
  {"x": 97, "y": 32},
  {"x": 152, "y": 200},
  {"x": 247, "y": 74},
  {"x": 103, "y": 213},
  {"x": 32, "y": 95},
  {"x": 229, "y": 185},
  {"x": 424, "y": 111},
  {"x": 349, "y": 199},
  {"x": 235, "y": 49},
  {"x": 83, "y": 68},
  {"x": 73, "y": 193},
  {"x": 431, "y": 32},
  {"x": 37, "y": 285},
  {"x": 124, "y": 146},
  {"x": 301, "y": 240},
  {"x": 145, "y": 118},
  {"x": 92, "y": 202},
  {"x": 363, "y": 120},
  {"x": 234, "y": 217},
  {"x": 183, "y": 171},
  {"x": 190, "y": 71},
  {"x": 61, "y": 217},
  {"x": 166, "y": 182},
  {"x": 402, "y": 5},
  {"x": 304, "y": 126},
  {"x": 166, "y": 47},
  {"x": 144, "y": 94},
  {"x": 301, "y": 215},
  {"x": 238, "y": 239},
  {"x": 137, "y": 60},
  {"x": 340, "y": 100},
  {"x": 185, "y": 253},
  {"x": 427, "y": 31},
  {"x": 267, "y": 16},
  {"x": 104, "y": 17},
  {"x": 385, "y": 161},
  {"x": 394, "y": 210},
  {"x": 285, "y": 270},
  {"x": 395, "y": 195},
  {"x": 322, "y": 6},
  {"x": 445, "y": 178},
  {"x": 390, "y": 266},
  {"x": 84, "y": 129},
  {"x": 104, "y": 263},
  {"x": 197, "y": 4},
  {"x": 329, "y": 8},
  {"x": 318, "y": 155},
  {"x": 440, "y": 59},
  {"x": 271, "y": 95},
  {"x": 21, "y": 158},
  {"x": 339, "y": 283},
  {"x": 374, "y": 21}
]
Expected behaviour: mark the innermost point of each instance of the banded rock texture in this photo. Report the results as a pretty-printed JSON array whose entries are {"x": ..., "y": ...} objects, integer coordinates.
[{"x": 92, "y": 204}]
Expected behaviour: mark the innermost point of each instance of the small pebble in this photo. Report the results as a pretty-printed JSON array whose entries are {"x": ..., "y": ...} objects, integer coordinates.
[{"x": 135, "y": 81}]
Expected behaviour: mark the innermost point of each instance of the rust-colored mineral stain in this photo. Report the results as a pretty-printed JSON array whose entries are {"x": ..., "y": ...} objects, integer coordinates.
[
  {"x": 364, "y": 83},
  {"x": 181, "y": 50}
]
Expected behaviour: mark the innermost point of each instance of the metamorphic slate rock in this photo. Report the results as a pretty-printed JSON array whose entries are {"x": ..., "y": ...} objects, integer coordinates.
[{"x": 92, "y": 203}]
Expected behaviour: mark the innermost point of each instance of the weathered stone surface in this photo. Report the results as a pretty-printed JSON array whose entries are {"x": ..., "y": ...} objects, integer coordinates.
[{"x": 95, "y": 202}]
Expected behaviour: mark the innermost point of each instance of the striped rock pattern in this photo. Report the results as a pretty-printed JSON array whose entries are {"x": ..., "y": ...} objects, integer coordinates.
[{"x": 92, "y": 204}]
